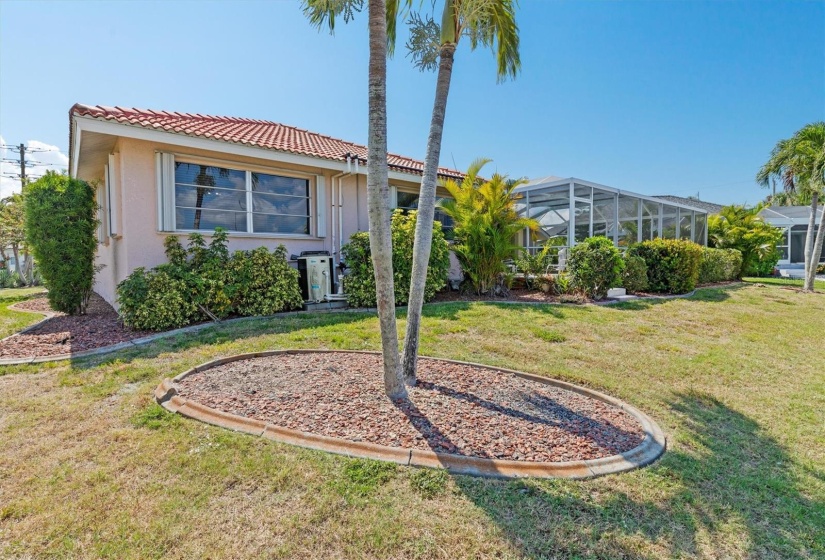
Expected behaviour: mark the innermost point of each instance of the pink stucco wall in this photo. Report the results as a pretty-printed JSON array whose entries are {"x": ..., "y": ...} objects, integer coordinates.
[{"x": 139, "y": 243}]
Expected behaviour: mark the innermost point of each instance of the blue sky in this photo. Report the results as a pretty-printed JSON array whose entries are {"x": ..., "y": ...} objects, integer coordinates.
[{"x": 661, "y": 97}]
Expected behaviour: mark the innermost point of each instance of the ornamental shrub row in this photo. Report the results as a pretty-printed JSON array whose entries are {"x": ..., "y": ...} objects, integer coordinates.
[
  {"x": 206, "y": 282},
  {"x": 719, "y": 265},
  {"x": 672, "y": 264},
  {"x": 359, "y": 283}
]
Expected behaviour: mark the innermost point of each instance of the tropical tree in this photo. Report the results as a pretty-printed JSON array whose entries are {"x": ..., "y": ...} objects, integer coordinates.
[
  {"x": 486, "y": 225},
  {"x": 489, "y": 23},
  {"x": 799, "y": 163},
  {"x": 322, "y": 12},
  {"x": 12, "y": 233},
  {"x": 737, "y": 227}
]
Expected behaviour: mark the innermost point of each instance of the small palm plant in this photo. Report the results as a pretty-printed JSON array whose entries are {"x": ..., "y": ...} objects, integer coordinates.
[{"x": 486, "y": 225}]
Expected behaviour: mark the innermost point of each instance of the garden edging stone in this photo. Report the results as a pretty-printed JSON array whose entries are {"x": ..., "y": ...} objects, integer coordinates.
[
  {"x": 651, "y": 448},
  {"x": 194, "y": 328}
]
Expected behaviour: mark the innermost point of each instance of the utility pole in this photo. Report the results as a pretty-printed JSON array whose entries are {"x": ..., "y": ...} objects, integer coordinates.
[{"x": 22, "y": 149}]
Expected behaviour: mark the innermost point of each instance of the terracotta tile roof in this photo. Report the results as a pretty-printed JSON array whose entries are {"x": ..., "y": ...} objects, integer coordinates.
[{"x": 252, "y": 132}]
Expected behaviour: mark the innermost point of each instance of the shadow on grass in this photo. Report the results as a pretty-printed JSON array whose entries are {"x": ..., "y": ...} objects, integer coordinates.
[
  {"x": 728, "y": 489},
  {"x": 451, "y": 310},
  {"x": 222, "y": 333}
]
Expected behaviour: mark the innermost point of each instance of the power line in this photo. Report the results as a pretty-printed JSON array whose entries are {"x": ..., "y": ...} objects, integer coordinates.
[{"x": 22, "y": 162}]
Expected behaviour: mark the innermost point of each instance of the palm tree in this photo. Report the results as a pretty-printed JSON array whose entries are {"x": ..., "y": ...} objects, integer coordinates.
[
  {"x": 799, "y": 162},
  {"x": 378, "y": 191},
  {"x": 490, "y": 23},
  {"x": 486, "y": 224}
]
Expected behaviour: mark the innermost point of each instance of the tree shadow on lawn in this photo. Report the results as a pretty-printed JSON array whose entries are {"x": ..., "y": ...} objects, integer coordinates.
[
  {"x": 728, "y": 486},
  {"x": 221, "y": 333}
]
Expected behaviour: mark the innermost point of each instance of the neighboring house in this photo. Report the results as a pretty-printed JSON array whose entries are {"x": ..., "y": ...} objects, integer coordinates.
[
  {"x": 160, "y": 173},
  {"x": 570, "y": 210},
  {"x": 793, "y": 221}
]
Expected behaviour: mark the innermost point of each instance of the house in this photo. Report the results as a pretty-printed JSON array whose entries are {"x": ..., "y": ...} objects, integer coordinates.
[
  {"x": 570, "y": 210},
  {"x": 793, "y": 221},
  {"x": 161, "y": 173}
]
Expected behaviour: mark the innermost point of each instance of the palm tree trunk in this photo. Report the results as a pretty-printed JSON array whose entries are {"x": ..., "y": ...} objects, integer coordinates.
[
  {"x": 810, "y": 277},
  {"x": 426, "y": 212},
  {"x": 809, "y": 245},
  {"x": 378, "y": 199}
]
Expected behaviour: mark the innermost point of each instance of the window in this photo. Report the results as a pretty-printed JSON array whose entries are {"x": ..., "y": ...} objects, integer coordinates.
[
  {"x": 208, "y": 196},
  {"x": 670, "y": 222},
  {"x": 650, "y": 220},
  {"x": 699, "y": 233},
  {"x": 604, "y": 213},
  {"x": 409, "y": 201}
]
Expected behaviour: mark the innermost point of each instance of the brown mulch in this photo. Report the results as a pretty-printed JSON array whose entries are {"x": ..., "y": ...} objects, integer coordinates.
[
  {"x": 455, "y": 408},
  {"x": 64, "y": 334}
]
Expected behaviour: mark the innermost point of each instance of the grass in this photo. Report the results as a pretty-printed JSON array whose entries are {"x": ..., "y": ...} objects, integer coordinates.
[
  {"x": 90, "y": 467},
  {"x": 792, "y": 282},
  {"x": 12, "y": 321}
]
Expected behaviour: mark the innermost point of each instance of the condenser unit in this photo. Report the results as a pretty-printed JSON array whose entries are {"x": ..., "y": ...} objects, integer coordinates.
[{"x": 316, "y": 273}]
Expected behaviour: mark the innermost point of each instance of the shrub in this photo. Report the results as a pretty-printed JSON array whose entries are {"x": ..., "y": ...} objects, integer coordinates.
[
  {"x": 672, "y": 264},
  {"x": 263, "y": 283},
  {"x": 156, "y": 300},
  {"x": 595, "y": 265},
  {"x": 535, "y": 266},
  {"x": 10, "y": 279},
  {"x": 634, "y": 277},
  {"x": 203, "y": 281},
  {"x": 61, "y": 232},
  {"x": 737, "y": 227},
  {"x": 820, "y": 269},
  {"x": 719, "y": 265},
  {"x": 359, "y": 283}
]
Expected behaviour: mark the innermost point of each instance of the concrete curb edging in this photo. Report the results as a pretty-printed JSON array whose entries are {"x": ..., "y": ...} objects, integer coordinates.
[
  {"x": 194, "y": 328},
  {"x": 651, "y": 448}
]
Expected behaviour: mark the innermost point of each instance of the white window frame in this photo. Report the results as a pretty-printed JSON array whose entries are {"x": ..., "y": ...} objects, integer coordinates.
[{"x": 165, "y": 163}]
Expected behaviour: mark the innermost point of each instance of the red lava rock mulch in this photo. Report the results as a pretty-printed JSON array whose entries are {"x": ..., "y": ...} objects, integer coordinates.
[
  {"x": 64, "y": 334},
  {"x": 455, "y": 408}
]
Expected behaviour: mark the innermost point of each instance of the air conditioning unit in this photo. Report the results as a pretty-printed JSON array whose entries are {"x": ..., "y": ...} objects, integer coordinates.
[{"x": 316, "y": 272}]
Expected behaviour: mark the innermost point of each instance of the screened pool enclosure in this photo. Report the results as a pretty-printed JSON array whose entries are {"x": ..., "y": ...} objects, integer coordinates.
[{"x": 571, "y": 210}]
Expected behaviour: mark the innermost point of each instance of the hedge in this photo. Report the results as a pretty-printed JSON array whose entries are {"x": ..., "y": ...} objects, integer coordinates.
[
  {"x": 61, "y": 229},
  {"x": 672, "y": 264},
  {"x": 719, "y": 265},
  {"x": 204, "y": 282},
  {"x": 634, "y": 277},
  {"x": 595, "y": 265},
  {"x": 359, "y": 282}
]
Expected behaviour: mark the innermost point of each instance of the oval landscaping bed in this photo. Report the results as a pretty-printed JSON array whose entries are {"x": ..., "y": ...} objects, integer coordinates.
[{"x": 466, "y": 417}]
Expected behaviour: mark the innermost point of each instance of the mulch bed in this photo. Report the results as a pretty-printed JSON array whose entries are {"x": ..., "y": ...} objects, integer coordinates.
[
  {"x": 455, "y": 408},
  {"x": 64, "y": 334}
]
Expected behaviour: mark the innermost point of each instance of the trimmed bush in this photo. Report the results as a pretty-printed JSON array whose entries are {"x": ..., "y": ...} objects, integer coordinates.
[
  {"x": 820, "y": 269},
  {"x": 61, "y": 231},
  {"x": 359, "y": 284},
  {"x": 595, "y": 265},
  {"x": 156, "y": 300},
  {"x": 634, "y": 277},
  {"x": 204, "y": 282},
  {"x": 263, "y": 283},
  {"x": 719, "y": 265},
  {"x": 672, "y": 264}
]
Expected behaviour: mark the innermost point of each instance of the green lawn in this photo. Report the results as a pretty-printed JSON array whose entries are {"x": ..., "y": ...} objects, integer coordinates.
[
  {"x": 12, "y": 321},
  {"x": 91, "y": 468},
  {"x": 793, "y": 282}
]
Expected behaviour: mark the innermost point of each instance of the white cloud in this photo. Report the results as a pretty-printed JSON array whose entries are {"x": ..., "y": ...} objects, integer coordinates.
[{"x": 42, "y": 158}]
